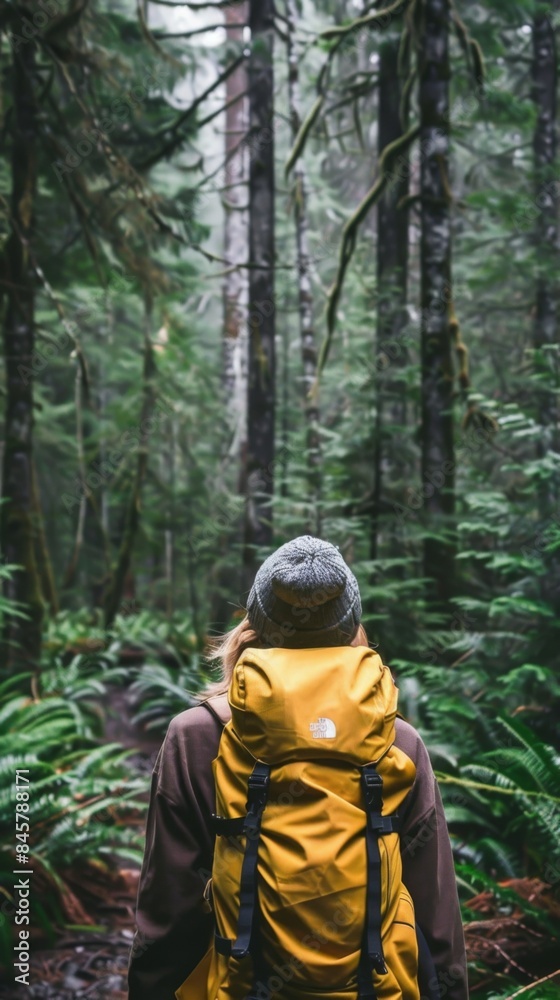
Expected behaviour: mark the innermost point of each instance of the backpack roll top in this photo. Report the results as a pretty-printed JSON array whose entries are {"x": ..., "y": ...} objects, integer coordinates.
[
  {"x": 307, "y": 874},
  {"x": 308, "y": 704}
]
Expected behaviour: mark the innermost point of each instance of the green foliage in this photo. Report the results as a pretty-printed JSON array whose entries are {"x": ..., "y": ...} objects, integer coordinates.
[
  {"x": 162, "y": 693},
  {"x": 83, "y": 801},
  {"x": 512, "y": 792},
  {"x": 81, "y": 635},
  {"x": 9, "y": 607},
  {"x": 480, "y": 679}
]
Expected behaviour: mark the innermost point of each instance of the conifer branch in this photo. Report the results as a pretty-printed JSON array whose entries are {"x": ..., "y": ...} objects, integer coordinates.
[
  {"x": 351, "y": 227},
  {"x": 376, "y": 19}
]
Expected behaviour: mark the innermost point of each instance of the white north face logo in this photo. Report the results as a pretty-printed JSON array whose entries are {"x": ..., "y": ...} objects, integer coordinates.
[{"x": 323, "y": 729}]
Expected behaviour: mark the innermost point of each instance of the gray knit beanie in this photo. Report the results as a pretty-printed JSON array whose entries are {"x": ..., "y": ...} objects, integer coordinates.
[{"x": 304, "y": 595}]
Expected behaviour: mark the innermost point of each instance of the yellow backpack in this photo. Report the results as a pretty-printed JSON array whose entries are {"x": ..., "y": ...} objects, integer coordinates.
[{"x": 307, "y": 884}]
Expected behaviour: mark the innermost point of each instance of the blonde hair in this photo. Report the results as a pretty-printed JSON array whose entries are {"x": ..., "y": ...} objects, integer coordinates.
[{"x": 227, "y": 649}]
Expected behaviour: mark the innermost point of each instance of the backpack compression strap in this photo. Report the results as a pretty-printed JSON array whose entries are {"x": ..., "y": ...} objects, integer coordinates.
[
  {"x": 371, "y": 958},
  {"x": 256, "y": 801}
]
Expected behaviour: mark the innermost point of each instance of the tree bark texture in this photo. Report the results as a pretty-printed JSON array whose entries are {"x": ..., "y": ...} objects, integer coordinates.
[
  {"x": 545, "y": 143},
  {"x": 261, "y": 388},
  {"x": 392, "y": 275},
  {"x": 305, "y": 293},
  {"x": 438, "y": 462},
  {"x": 18, "y": 540},
  {"x": 42, "y": 554},
  {"x": 116, "y": 588},
  {"x": 236, "y": 237}
]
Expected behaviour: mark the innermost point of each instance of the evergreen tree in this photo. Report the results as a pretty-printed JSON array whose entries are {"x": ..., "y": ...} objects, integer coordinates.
[
  {"x": 17, "y": 533},
  {"x": 262, "y": 302},
  {"x": 545, "y": 144},
  {"x": 392, "y": 278},
  {"x": 438, "y": 461}
]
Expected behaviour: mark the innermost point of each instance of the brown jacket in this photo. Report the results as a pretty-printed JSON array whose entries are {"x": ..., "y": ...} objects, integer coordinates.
[{"x": 173, "y": 929}]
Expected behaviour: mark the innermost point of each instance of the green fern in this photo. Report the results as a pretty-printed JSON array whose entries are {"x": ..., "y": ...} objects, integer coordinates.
[
  {"x": 82, "y": 792},
  {"x": 163, "y": 693},
  {"x": 517, "y": 784}
]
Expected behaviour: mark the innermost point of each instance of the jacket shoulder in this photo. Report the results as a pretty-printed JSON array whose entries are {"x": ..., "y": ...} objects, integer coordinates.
[
  {"x": 199, "y": 720},
  {"x": 185, "y": 757},
  {"x": 408, "y": 739},
  {"x": 422, "y": 799}
]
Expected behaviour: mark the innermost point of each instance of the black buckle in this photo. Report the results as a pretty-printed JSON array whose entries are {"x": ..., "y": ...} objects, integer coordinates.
[
  {"x": 373, "y": 785},
  {"x": 257, "y": 794},
  {"x": 378, "y": 963},
  {"x": 252, "y": 823},
  {"x": 260, "y": 781},
  {"x": 380, "y": 824}
]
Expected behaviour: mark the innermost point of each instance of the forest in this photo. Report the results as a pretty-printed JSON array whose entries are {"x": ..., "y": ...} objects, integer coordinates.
[{"x": 272, "y": 268}]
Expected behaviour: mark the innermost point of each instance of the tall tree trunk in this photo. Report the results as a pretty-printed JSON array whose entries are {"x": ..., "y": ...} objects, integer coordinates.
[
  {"x": 545, "y": 141},
  {"x": 438, "y": 464},
  {"x": 171, "y": 518},
  {"x": 235, "y": 342},
  {"x": 116, "y": 588},
  {"x": 42, "y": 554},
  {"x": 392, "y": 274},
  {"x": 17, "y": 528},
  {"x": 305, "y": 294},
  {"x": 72, "y": 568},
  {"x": 261, "y": 389},
  {"x": 236, "y": 292}
]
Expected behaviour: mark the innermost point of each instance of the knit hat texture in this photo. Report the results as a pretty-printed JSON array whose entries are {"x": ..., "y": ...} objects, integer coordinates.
[{"x": 304, "y": 595}]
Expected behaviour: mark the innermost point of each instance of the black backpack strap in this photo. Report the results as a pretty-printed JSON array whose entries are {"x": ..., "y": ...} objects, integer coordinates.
[
  {"x": 373, "y": 789},
  {"x": 428, "y": 980},
  {"x": 366, "y": 989},
  {"x": 371, "y": 958},
  {"x": 223, "y": 826},
  {"x": 256, "y": 801},
  {"x": 217, "y": 711}
]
